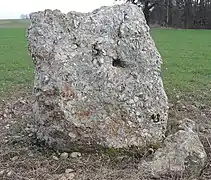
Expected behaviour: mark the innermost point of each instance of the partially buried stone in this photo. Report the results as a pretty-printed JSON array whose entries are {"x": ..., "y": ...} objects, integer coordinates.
[
  {"x": 55, "y": 158},
  {"x": 64, "y": 155},
  {"x": 75, "y": 154},
  {"x": 182, "y": 154},
  {"x": 95, "y": 75}
]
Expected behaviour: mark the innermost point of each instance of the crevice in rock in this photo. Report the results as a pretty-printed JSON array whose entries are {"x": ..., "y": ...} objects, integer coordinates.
[
  {"x": 95, "y": 50},
  {"x": 118, "y": 63},
  {"x": 156, "y": 118}
]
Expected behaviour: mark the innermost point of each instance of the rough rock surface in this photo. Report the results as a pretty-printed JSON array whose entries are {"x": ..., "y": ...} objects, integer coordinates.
[
  {"x": 182, "y": 154},
  {"x": 97, "y": 79}
]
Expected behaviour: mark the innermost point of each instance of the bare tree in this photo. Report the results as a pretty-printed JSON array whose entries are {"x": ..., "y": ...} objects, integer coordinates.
[
  {"x": 149, "y": 5},
  {"x": 176, "y": 13}
]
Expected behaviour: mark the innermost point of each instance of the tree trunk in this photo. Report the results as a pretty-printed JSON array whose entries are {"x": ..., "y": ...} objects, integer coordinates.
[{"x": 167, "y": 13}]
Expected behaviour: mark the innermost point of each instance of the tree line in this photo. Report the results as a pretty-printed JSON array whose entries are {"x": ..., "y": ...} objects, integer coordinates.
[
  {"x": 188, "y": 14},
  {"x": 24, "y": 16}
]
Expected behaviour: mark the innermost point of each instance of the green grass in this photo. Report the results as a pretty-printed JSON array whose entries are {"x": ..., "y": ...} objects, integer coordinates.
[
  {"x": 14, "y": 23},
  {"x": 16, "y": 68},
  {"x": 186, "y": 61}
]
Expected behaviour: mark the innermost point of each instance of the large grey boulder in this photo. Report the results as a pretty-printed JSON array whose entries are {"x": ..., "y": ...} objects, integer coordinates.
[{"x": 97, "y": 79}]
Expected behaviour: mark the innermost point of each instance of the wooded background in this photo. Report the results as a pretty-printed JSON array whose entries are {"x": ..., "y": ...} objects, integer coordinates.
[{"x": 188, "y": 14}]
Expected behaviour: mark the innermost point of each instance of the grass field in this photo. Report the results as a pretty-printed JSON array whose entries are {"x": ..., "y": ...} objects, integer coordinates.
[
  {"x": 14, "y": 23},
  {"x": 15, "y": 65},
  {"x": 186, "y": 61},
  {"x": 186, "y": 72}
]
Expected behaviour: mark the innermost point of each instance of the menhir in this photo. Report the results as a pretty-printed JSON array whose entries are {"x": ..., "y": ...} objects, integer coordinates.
[{"x": 97, "y": 79}]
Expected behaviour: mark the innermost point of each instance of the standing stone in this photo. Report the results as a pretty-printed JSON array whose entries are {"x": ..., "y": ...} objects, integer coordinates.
[{"x": 97, "y": 79}]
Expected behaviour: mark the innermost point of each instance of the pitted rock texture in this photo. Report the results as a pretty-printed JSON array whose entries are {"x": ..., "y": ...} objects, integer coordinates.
[{"x": 97, "y": 79}]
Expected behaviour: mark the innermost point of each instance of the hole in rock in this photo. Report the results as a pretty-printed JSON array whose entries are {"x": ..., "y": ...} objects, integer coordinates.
[
  {"x": 118, "y": 63},
  {"x": 158, "y": 117},
  {"x": 155, "y": 118}
]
